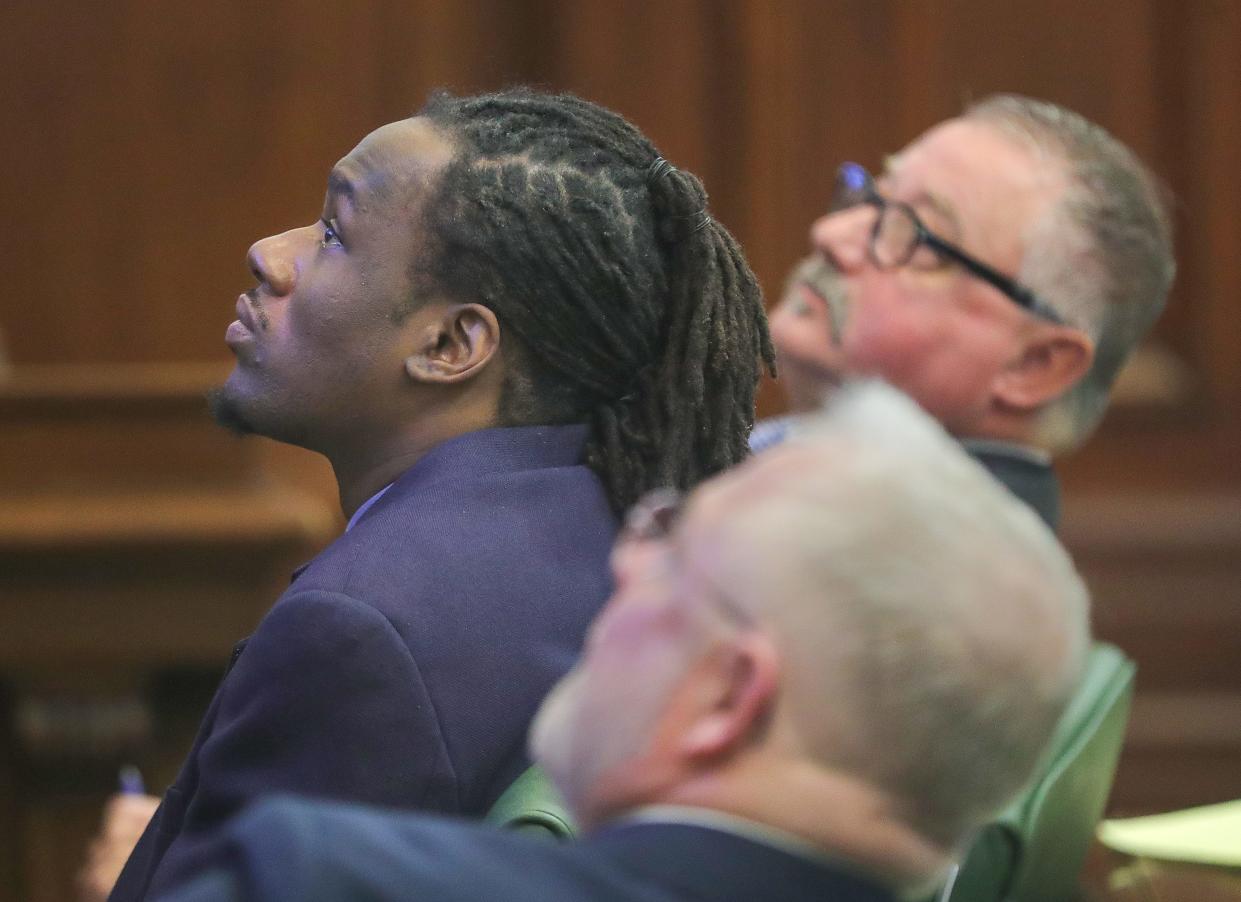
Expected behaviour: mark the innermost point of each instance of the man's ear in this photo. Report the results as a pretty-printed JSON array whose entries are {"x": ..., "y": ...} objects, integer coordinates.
[
  {"x": 455, "y": 345},
  {"x": 1050, "y": 363},
  {"x": 741, "y": 698}
]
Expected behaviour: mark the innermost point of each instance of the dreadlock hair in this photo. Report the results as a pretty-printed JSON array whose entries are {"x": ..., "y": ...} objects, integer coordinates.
[{"x": 631, "y": 308}]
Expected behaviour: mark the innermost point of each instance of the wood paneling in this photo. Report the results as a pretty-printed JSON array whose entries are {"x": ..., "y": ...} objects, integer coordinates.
[
  {"x": 1211, "y": 189},
  {"x": 148, "y": 144},
  {"x": 1164, "y": 569},
  {"x": 135, "y": 538},
  {"x": 157, "y": 141}
]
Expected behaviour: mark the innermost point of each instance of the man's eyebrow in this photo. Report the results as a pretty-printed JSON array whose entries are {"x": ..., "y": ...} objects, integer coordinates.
[
  {"x": 340, "y": 184},
  {"x": 924, "y": 199},
  {"x": 942, "y": 208}
]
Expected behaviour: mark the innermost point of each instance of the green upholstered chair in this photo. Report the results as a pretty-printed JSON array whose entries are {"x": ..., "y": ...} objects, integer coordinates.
[
  {"x": 532, "y": 805},
  {"x": 1036, "y": 848}
]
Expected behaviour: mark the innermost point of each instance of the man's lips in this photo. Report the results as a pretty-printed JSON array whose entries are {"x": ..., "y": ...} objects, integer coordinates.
[
  {"x": 237, "y": 334},
  {"x": 245, "y": 315},
  {"x": 241, "y": 330}
]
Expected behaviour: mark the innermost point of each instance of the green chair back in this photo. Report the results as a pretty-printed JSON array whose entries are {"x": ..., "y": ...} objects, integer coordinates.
[
  {"x": 532, "y": 805},
  {"x": 1036, "y": 848}
]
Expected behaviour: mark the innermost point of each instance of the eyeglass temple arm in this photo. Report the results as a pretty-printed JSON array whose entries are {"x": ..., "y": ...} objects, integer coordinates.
[{"x": 1018, "y": 293}]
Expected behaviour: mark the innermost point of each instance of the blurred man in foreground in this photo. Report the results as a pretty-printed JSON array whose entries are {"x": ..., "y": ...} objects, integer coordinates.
[
  {"x": 1000, "y": 270},
  {"x": 811, "y": 683}
]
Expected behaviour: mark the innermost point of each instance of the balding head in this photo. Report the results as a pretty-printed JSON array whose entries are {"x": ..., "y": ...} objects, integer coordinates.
[
  {"x": 864, "y": 606},
  {"x": 939, "y": 616}
]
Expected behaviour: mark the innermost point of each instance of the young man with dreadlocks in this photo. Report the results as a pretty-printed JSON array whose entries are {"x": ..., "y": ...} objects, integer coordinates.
[{"x": 513, "y": 318}]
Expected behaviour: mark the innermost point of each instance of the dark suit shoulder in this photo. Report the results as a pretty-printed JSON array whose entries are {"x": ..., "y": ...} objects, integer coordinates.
[
  {"x": 476, "y": 533},
  {"x": 490, "y": 578},
  {"x": 1023, "y": 473},
  {"x": 293, "y": 849}
]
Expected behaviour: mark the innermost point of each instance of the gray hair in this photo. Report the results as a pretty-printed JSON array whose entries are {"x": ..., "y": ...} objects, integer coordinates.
[
  {"x": 931, "y": 627},
  {"x": 1102, "y": 258}
]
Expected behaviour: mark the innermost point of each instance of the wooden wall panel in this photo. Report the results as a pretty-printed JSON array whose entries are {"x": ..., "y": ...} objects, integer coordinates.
[
  {"x": 466, "y": 47},
  {"x": 1210, "y": 144},
  {"x": 156, "y": 145},
  {"x": 159, "y": 140},
  {"x": 817, "y": 99},
  {"x": 657, "y": 63}
]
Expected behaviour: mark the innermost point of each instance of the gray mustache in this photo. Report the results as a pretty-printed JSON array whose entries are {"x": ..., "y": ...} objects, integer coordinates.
[{"x": 823, "y": 278}]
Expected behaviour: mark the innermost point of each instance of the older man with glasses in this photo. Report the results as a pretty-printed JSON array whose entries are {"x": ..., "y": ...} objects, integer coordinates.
[{"x": 1000, "y": 271}]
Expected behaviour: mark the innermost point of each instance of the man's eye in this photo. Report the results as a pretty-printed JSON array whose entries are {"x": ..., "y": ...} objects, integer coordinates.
[
  {"x": 331, "y": 238},
  {"x": 927, "y": 258}
]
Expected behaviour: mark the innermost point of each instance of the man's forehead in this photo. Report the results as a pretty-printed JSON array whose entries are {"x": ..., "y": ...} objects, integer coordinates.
[
  {"x": 737, "y": 527},
  {"x": 915, "y": 191},
  {"x": 391, "y": 158},
  {"x": 957, "y": 148},
  {"x": 718, "y": 507},
  {"x": 990, "y": 181}
]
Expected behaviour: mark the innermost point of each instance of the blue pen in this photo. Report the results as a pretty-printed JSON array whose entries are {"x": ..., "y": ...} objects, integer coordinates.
[{"x": 130, "y": 780}]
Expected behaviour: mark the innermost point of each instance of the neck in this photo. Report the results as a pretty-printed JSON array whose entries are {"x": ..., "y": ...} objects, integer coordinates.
[
  {"x": 1015, "y": 427},
  {"x": 1020, "y": 438},
  {"x": 838, "y": 815},
  {"x": 363, "y": 467},
  {"x": 357, "y": 479}
]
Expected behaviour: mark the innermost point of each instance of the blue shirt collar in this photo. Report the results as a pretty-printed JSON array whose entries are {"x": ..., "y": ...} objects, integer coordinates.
[{"x": 366, "y": 505}]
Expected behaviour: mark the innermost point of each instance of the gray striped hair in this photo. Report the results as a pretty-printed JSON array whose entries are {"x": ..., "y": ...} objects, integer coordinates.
[{"x": 1102, "y": 258}]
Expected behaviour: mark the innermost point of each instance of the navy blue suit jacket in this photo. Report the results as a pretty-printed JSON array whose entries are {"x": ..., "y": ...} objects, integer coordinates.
[
  {"x": 302, "y": 852},
  {"x": 403, "y": 665},
  {"x": 1021, "y": 470},
  {"x": 1027, "y": 477}
]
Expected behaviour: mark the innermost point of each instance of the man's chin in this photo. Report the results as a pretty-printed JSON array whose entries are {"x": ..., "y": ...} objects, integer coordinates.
[{"x": 226, "y": 409}]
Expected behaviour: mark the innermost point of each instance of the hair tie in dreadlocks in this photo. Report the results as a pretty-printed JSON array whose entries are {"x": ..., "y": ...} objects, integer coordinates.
[
  {"x": 658, "y": 169},
  {"x": 701, "y": 218}
]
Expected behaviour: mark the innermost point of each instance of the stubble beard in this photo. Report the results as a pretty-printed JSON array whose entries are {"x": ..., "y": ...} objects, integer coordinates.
[
  {"x": 226, "y": 410},
  {"x": 245, "y": 412}
]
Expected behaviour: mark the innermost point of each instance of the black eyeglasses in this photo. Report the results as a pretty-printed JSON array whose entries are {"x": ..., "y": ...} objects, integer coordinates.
[
  {"x": 653, "y": 516},
  {"x": 898, "y": 233}
]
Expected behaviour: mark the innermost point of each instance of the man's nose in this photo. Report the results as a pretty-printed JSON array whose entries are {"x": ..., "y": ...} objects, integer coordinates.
[
  {"x": 843, "y": 236},
  {"x": 274, "y": 263}
]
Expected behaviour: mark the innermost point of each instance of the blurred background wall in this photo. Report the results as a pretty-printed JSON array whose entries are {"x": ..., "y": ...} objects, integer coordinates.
[{"x": 146, "y": 145}]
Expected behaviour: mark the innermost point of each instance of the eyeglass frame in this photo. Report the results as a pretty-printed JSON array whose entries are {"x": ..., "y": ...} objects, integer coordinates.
[
  {"x": 853, "y": 181},
  {"x": 653, "y": 518}
]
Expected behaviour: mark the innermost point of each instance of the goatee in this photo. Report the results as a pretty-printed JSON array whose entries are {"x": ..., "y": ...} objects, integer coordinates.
[{"x": 225, "y": 410}]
